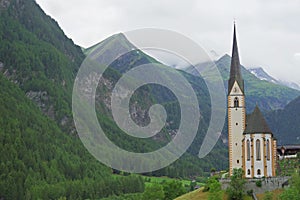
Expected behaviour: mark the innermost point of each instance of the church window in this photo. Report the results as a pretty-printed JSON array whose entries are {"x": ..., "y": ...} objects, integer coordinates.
[
  {"x": 238, "y": 161},
  {"x": 268, "y": 149},
  {"x": 236, "y": 102},
  {"x": 258, "y": 172},
  {"x": 248, "y": 150},
  {"x": 258, "y": 156},
  {"x": 248, "y": 172}
]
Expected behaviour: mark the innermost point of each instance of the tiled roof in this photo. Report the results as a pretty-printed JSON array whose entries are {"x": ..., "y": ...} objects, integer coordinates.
[{"x": 256, "y": 123}]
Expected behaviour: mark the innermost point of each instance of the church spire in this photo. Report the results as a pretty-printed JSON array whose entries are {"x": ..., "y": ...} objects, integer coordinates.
[{"x": 235, "y": 69}]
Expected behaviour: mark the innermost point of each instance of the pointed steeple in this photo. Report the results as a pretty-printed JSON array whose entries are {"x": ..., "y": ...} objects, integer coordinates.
[{"x": 235, "y": 69}]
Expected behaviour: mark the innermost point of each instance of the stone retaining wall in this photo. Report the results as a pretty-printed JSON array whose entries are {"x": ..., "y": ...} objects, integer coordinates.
[{"x": 268, "y": 184}]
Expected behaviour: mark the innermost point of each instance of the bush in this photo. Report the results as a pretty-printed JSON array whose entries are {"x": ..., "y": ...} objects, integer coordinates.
[
  {"x": 249, "y": 192},
  {"x": 208, "y": 183},
  {"x": 258, "y": 183},
  {"x": 236, "y": 188},
  {"x": 215, "y": 192}
]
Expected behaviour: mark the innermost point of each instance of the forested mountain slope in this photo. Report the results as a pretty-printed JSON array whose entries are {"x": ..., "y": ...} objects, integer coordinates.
[
  {"x": 38, "y": 160},
  {"x": 268, "y": 96},
  {"x": 38, "y": 57},
  {"x": 285, "y": 123}
]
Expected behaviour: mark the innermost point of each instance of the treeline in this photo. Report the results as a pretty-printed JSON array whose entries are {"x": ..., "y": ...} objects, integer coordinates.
[
  {"x": 167, "y": 190},
  {"x": 38, "y": 160}
]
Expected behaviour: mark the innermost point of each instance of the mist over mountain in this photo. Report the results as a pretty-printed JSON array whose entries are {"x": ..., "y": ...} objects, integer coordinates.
[
  {"x": 41, "y": 156},
  {"x": 267, "y": 95}
]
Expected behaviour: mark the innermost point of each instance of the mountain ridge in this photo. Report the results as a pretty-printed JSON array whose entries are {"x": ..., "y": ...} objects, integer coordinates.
[{"x": 260, "y": 73}]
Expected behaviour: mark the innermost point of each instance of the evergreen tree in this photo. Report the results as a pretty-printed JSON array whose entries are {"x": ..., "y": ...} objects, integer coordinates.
[{"x": 236, "y": 187}]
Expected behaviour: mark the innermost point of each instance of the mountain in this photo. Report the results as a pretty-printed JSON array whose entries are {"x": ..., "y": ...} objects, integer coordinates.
[
  {"x": 38, "y": 57},
  {"x": 140, "y": 103},
  {"x": 267, "y": 95},
  {"x": 39, "y": 161},
  {"x": 40, "y": 156},
  {"x": 263, "y": 75},
  {"x": 285, "y": 123},
  {"x": 289, "y": 84},
  {"x": 39, "y": 63}
]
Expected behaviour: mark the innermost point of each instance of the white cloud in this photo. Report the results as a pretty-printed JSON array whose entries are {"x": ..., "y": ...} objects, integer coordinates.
[{"x": 297, "y": 55}]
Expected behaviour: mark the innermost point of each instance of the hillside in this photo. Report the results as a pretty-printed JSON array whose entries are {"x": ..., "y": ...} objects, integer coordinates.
[
  {"x": 268, "y": 96},
  {"x": 38, "y": 160},
  {"x": 263, "y": 75},
  {"x": 38, "y": 57},
  {"x": 142, "y": 99},
  {"x": 40, "y": 156},
  {"x": 285, "y": 123},
  {"x": 40, "y": 62}
]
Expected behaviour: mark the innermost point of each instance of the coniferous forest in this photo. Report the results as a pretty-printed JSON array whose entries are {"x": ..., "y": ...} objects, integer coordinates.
[{"x": 41, "y": 156}]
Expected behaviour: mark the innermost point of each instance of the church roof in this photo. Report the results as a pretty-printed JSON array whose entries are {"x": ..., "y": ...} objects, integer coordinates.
[
  {"x": 235, "y": 69},
  {"x": 256, "y": 123}
]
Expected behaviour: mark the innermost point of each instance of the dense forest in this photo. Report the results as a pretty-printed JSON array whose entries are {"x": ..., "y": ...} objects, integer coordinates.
[
  {"x": 285, "y": 123},
  {"x": 41, "y": 156},
  {"x": 39, "y": 161}
]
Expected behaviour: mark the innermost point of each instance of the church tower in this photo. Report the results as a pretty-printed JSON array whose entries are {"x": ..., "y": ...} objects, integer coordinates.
[{"x": 236, "y": 109}]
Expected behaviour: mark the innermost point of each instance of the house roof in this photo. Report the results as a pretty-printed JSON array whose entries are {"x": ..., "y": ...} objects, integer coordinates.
[
  {"x": 235, "y": 69},
  {"x": 256, "y": 123}
]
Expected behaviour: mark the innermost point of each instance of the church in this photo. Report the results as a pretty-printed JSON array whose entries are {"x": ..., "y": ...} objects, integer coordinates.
[{"x": 251, "y": 144}]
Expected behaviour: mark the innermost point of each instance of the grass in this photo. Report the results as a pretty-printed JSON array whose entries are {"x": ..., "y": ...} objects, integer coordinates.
[
  {"x": 199, "y": 194},
  {"x": 155, "y": 180},
  {"x": 275, "y": 193}
]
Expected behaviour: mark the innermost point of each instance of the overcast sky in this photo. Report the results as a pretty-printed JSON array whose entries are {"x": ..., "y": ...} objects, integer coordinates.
[{"x": 268, "y": 30}]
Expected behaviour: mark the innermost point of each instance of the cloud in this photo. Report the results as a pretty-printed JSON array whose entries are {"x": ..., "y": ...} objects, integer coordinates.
[
  {"x": 268, "y": 31},
  {"x": 297, "y": 55}
]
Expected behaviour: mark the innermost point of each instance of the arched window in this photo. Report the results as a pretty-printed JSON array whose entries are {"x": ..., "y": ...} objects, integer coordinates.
[
  {"x": 258, "y": 172},
  {"x": 236, "y": 102},
  {"x": 268, "y": 149},
  {"x": 248, "y": 172},
  {"x": 258, "y": 156},
  {"x": 248, "y": 149}
]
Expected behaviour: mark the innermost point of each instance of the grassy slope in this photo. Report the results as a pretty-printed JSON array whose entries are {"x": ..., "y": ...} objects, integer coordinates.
[
  {"x": 199, "y": 194},
  {"x": 275, "y": 193}
]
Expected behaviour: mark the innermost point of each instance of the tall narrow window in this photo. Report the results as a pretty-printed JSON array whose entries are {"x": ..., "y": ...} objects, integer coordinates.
[
  {"x": 248, "y": 149},
  {"x": 236, "y": 102},
  {"x": 258, "y": 156},
  {"x": 268, "y": 149}
]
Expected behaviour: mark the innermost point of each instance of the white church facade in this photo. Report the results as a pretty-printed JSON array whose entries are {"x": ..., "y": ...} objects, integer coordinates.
[{"x": 251, "y": 144}]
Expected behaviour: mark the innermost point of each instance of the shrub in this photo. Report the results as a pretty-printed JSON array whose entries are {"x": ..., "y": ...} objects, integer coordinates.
[
  {"x": 249, "y": 192},
  {"x": 236, "y": 188},
  {"x": 258, "y": 183}
]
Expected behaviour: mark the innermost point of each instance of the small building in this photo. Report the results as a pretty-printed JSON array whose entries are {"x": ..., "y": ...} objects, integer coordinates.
[{"x": 288, "y": 151}]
